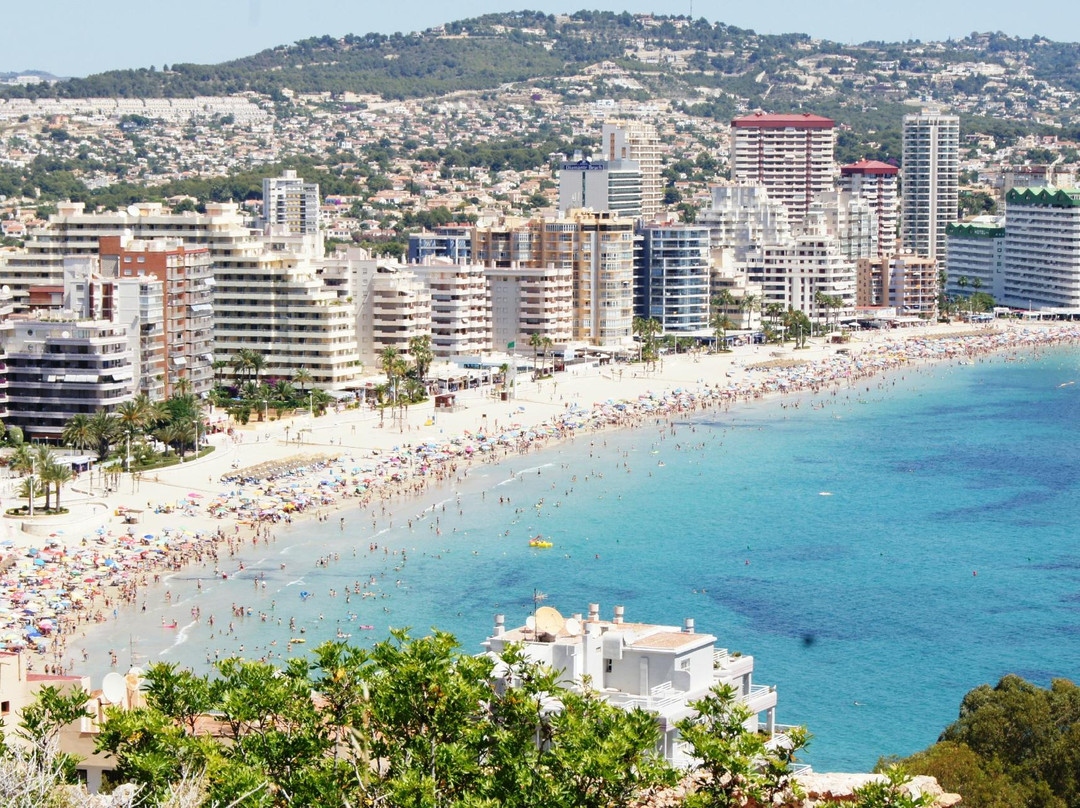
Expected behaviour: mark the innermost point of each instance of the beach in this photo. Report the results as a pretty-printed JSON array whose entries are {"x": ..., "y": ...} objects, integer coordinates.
[{"x": 356, "y": 465}]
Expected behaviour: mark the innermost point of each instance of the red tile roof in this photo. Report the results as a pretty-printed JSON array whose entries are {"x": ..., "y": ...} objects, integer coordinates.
[
  {"x": 762, "y": 120},
  {"x": 869, "y": 167}
]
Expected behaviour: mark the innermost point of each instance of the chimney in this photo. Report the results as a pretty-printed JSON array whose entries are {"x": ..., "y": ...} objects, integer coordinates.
[
  {"x": 594, "y": 612},
  {"x": 500, "y": 621},
  {"x": 688, "y": 625},
  {"x": 618, "y": 616},
  {"x": 577, "y": 616}
]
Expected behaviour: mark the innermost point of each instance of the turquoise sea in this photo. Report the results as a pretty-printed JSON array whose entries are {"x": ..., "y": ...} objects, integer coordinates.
[{"x": 943, "y": 556}]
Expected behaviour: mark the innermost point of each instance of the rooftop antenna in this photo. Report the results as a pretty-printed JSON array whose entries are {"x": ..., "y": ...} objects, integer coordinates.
[
  {"x": 549, "y": 621},
  {"x": 114, "y": 688}
]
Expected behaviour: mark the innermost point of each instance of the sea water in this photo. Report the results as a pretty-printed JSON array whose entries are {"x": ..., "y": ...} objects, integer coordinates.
[{"x": 879, "y": 552}]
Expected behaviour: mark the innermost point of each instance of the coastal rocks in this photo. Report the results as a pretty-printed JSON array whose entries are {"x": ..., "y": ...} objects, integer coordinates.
[{"x": 826, "y": 787}]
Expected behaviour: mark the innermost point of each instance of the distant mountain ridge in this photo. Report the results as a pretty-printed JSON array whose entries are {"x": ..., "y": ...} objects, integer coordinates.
[{"x": 712, "y": 68}]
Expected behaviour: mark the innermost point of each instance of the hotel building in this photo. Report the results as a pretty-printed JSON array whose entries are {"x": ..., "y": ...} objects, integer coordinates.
[
  {"x": 1042, "y": 248},
  {"x": 976, "y": 249}
]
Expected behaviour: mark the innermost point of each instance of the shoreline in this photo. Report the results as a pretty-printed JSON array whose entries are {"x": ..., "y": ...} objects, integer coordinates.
[{"x": 398, "y": 477}]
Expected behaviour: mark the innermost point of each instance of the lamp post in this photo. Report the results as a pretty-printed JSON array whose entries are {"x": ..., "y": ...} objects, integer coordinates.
[
  {"x": 33, "y": 471},
  {"x": 311, "y": 402}
]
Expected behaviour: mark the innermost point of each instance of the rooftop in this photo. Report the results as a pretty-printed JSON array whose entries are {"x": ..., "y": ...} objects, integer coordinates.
[
  {"x": 764, "y": 120},
  {"x": 869, "y": 167}
]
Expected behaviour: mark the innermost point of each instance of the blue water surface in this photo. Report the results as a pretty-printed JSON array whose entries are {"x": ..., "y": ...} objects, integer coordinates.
[{"x": 880, "y": 551}]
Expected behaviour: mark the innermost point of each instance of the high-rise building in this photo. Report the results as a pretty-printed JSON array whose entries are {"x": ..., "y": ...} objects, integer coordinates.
[
  {"x": 977, "y": 250},
  {"x": 609, "y": 186},
  {"x": 59, "y": 366},
  {"x": 451, "y": 241},
  {"x": 791, "y": 155},
  {"x": 460, "y": 307},
  {"x": 598, "y": 249},
  {"x": 742, "y": 217},
  {"x": 291, "y": 203},
  {"x": 531, "y": 300},
  {"x": 71, "y": 231},
  {"x": 638, "y": 141},
  {"x": 187, "y": 302},
  {"x": 285, "y": 307},
  {"x": 852, "y": 220},
  {"x": 931, "y": 173},
  {"x": 792, "y": 274},
  {"x": 673, "y": 277},
  {"x": 907, "y": 283},
  {"x": 875, "y": 182},
  {"x": 1042, "y": 248}
]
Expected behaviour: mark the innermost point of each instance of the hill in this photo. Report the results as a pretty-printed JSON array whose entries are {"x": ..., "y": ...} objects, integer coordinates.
[{"x": 714, "y": 68}]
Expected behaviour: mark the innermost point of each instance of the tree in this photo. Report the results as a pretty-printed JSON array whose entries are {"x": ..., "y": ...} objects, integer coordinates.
[
  {"x": 78, "y": 432},
  {"x": 104, "y": 427},
  {"x": 388, "y": 359},
  {"x": 748, "y": 304},
  {"x": 302, "y": 377},
  {"x": 646, "y": 330},
  {"x": 535, "y": 341},
  {"x": 422, "y": 355},
  {"x": 42, "y": 720},
  {"x": 738, "y": 764}
]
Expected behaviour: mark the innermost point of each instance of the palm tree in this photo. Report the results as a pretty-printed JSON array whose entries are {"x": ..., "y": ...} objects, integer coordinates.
[
  {"x": 169, "y": 435},
  {"x": 218, "y": 365},
  {"x": 284, "y": 392},
  {"x": 721, "y": 323},
  {"x": 31, "y": 489},
  {"x": 23, "y": 459},
  {"x": 77, "y": 432},
  {"x": 46, "y": 470},
  {"x": 302, "y": 377},
  {"x": 241, "y": 364},
  {"x": 58, "y": 474},
  {"x": 422, "y": 355},
  {"x": 646, "y": 330},
  {"x": 962, "y": 282},
  {"x": 535, "y": 341},
  {"x": 258, "y": 364},
  {"x": 104, "y": 428},
  {"x": 976, "y": 285},
  {"x": 388, "y": 358},
  {"x": 749, "y": 303},
  {"x": 548, "y": 342}
]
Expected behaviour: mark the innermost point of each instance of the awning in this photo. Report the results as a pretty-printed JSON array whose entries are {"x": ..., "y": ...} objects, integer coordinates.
[{"x": 201, "y": 308}]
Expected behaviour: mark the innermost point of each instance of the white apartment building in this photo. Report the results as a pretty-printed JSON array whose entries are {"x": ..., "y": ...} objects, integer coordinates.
[
  {"x": 279, "y": 305},
  {"x": 741, "y": 217},
  {"x": 673, "y": 277},
  {"x": 393, "y": 307},
  {"x": 931, "y": 173},
  {"x": 72, "y": 232},
  {"x": 852, "y": 220},
  {"x": 460, "y": 307},
  {"x": 791, "y": 155},
  {"x": 531, "y": 300},
  {"x": 59, "y": 366},
  {"x": 658, "y": 668},
  {"x": 638, "y": 141},
  {"x": 610, "y": 186},
  {"x": 291, "y": 204},
  {"x": 1042, "y": 248},
  {"x": 791, "y": 274},
  {"x": 875, "y": 182},
  {"x": 976, "y": 249}
]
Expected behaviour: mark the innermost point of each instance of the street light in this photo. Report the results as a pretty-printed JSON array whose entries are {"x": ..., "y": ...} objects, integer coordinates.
[{"x": 33, "y": 471}]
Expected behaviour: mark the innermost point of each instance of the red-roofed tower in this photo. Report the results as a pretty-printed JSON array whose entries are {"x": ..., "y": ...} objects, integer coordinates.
[
  {"x": 875, "y": 182},
  {"x": 791, "y": 155}
]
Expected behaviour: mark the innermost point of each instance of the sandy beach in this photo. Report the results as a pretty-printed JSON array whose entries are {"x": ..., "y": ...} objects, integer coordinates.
[{"x": 64, "y": 573}]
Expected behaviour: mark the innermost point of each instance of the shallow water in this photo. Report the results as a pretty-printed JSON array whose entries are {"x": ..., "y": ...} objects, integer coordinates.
[{"x": 940, "y": 558}]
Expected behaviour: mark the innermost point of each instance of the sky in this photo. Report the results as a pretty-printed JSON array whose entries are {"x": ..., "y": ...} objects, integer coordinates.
[{"x": 79, "y": 37}]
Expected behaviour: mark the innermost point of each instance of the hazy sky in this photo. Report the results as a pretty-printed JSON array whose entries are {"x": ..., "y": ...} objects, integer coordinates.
[{"x": 77, "y": 37}]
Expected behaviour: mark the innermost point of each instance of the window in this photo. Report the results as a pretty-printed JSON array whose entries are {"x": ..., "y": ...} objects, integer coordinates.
[{"x": 607, "y": 666}]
